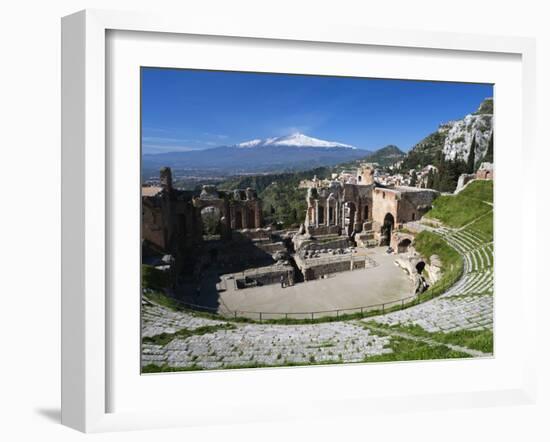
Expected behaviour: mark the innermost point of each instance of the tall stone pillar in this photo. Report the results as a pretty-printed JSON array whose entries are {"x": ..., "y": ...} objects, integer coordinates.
[
  {"x": 244, "y": 218},
  {"x": 257, "y": 215},
  {"x": 166, "y": 179},
  {"x": 316, "y": 213}
]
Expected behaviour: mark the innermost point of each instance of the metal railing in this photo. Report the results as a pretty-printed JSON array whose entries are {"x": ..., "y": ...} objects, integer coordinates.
[
  {"x": 260, "y": 316},
  {"x": 380, "y": 308}
]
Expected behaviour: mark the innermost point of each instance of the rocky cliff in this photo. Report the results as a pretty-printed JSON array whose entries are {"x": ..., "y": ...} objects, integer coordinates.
[
  {"x": 459, "y": 134},
  {"x": 453, "y": 139}
]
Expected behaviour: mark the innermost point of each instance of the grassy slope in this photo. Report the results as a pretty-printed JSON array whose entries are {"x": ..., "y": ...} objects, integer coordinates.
[
  {"x": 459, "y": 210},
  {"x": 481, "y": 340},
  {"x": 484, "y": 226},
  {"x": 428, "y": 244},
  {"x": 480, "y": 190}
]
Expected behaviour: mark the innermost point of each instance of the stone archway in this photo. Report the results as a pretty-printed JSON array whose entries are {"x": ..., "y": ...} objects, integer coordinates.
[
  {"x": 211, "y": 220},
  {"x": 403, "y": 245},
  {"x": 387, "y": 229},
  {"x": 250, "y": 218},
  {"x": 331, "y": 210},
  {"x": 238, "y": 220},
  {"x": 349, "y": 217}
]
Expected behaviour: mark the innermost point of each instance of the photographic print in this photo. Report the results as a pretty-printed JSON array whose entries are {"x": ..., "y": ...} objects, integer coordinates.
[{"x": 295, "y": 220}]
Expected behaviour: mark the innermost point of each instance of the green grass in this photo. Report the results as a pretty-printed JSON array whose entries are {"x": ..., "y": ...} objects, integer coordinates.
[
  {"x": 409, "y": 350},
  {"x": 428, "y": 244},
  {"x": 153, "y": 278},
  {"x": 480, "y": 190},
  {"x": 484, "y": 226},
  {"x": 481, "y": 340},
  {"x": 321, "y": 345},
  {"x": 165, "y": 338},
  {"x": 471, "y": 295},
  {"x": 163, "y": 300},
  {"x": 459, "y": 210},
  {"x": 403, "y": 349}
]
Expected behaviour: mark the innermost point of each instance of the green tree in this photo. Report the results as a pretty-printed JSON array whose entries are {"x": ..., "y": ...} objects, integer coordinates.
[
  {"x": 431, "y": 179},
  {"x": 210, "y": 221},
  {"x": 471, "y": 156},
  {"x": 413, "y": 179},
  {"x": 489, "y": 154}
]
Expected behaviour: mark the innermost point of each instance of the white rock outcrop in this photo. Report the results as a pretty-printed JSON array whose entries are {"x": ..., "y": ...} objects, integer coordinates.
[{"x": 461, "y": 132}]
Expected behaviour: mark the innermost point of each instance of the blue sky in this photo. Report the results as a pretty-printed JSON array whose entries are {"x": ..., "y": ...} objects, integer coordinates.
[{"x": 186, "y": 110}]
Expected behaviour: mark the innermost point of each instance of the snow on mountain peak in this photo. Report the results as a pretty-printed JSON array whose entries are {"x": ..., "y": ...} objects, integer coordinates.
[
  {"x": 296, "y": 140},
  {"x": 251, "y": 143}
]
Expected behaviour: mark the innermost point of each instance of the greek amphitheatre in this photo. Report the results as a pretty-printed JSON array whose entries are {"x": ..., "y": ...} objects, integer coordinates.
[{"x": 358, "y": 281}]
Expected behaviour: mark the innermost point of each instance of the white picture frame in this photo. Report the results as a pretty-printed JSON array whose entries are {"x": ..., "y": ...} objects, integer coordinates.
[{"x": 86, "y": 316}]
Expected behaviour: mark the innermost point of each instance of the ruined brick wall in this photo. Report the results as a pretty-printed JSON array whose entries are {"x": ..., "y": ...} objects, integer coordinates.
[
  {"x": 414, "y": 205},
  {"x": 267, "y": 276},
  {"x": 336, "y": 243},
  {"x": 384, "y": 201},
  {"x": 245, "y": 214},
  {"x": 365, "y": 174},
  {"x": 152, "y": 223},
  {"x": 318, "y": 271},
  {"x": 403, "y": 205},
  {"x": 485, "y": 174},
  {"x": 400, "y": 241},
  {"x": 324, "y": 230}
]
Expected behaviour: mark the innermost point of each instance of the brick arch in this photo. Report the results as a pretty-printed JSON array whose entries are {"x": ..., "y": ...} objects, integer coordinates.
[{"x": 387, "y": 228}]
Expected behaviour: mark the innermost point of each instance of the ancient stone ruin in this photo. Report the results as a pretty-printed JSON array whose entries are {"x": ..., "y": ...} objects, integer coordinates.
[
  {"x": 191, "y": 234},
  {"x": 212, "y": 228}
]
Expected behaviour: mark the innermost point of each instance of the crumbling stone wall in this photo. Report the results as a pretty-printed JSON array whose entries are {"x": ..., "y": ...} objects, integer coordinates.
[
  {"x": 485, "y": 172},
  {"x": 265, "y": 276},
  {"x": 340, "y": 206},
  {"x": 384, "y": 201},
  {"x": 405, "y": 204}
]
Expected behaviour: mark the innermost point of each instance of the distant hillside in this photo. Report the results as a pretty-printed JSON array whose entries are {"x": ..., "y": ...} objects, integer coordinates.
[
  {"x": 282, "y": 201},
  {"x": 386, "y": 156},
  {"x": 261, "y": 182}
]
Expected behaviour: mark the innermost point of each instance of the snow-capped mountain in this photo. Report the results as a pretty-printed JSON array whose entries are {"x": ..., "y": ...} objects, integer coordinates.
[
  {"x": 291, "y": 152},
  {"x": 294, "y": 140}
]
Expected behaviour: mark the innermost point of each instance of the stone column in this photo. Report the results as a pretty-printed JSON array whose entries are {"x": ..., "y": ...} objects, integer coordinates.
[
  {"x": 257, "y": 215},
  {"x": 232, "y": 217},
  {"x": 244, "y": 217},
  {"x": 316, "y": 213}
]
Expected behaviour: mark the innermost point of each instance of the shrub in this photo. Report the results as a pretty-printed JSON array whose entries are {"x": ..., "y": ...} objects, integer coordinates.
[{"x": 152, "y": 278}]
